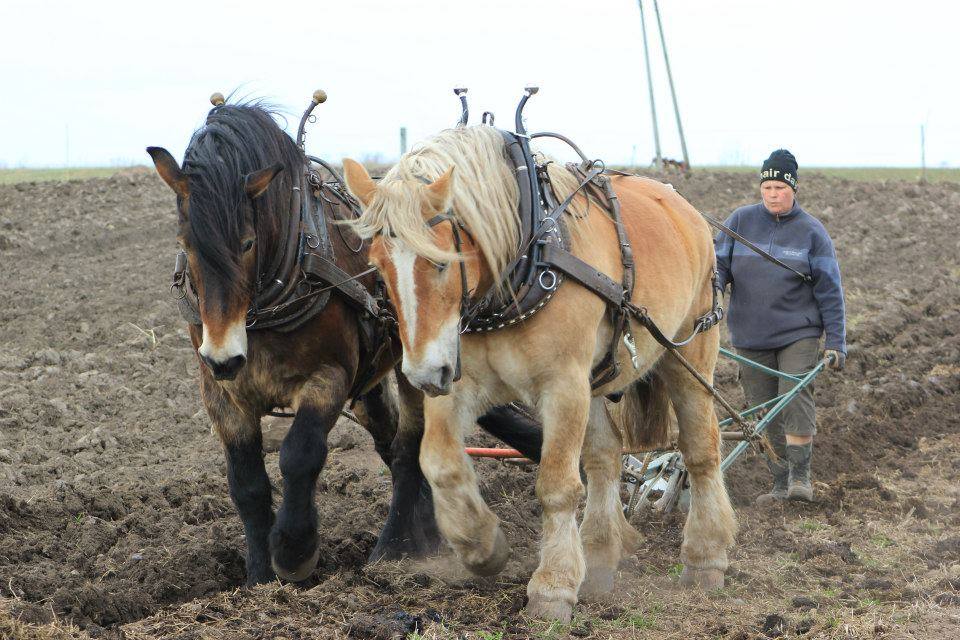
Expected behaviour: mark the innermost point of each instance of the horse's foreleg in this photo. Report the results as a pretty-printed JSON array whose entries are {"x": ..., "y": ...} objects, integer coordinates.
[
  {"x": 378, "y": 412},
  {"x": 711, "y": 524},
  {"x": 246, "y": 475},
  {"x": 250, "y": 491},
  {"x": 294, "y": 545},
  {"x": 410, "y": 529},
  {"x": 606, "y": 534},
  {"x": 463, "y": 517},
  {"x": 552, "y": 591}
]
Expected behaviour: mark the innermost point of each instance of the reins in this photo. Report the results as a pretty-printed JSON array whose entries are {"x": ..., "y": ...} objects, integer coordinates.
[
  {"x": 279, "y": 308},
  {"x": 739, "y": 238}
]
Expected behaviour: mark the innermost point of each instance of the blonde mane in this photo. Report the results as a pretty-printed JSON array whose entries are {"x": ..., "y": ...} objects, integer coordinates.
[{"x": 484, "y": 196}]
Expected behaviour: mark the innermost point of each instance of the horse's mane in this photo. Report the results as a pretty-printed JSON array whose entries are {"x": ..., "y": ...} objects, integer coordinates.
[
  {"x": 237, "y": 139},
  {"x": 485, "y": 196}
]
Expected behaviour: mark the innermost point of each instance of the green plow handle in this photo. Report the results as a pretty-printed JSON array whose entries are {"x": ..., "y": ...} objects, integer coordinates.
[{"x": 778, "y": 403}]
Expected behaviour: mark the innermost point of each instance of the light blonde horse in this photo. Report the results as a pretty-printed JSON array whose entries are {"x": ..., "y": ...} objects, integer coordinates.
[{"x": 546, "y": 361}]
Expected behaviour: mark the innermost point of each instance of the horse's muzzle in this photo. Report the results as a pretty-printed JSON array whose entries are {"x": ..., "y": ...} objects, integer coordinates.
[
  {"x": 440, "y": 384},
  {"x": 436, "y": 383},
  {"x": 226, "y": 370}
]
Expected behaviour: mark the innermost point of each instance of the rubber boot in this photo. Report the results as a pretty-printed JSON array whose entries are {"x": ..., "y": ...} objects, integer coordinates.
[
  {"x": 798, "y": 458},
  {"x": 779, "y": 470}
]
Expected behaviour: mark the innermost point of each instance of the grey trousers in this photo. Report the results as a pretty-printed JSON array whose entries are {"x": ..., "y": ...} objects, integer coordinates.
[{"x": 799, "y": 417}]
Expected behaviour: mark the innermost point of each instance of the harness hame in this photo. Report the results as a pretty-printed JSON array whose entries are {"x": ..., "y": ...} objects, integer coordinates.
[{"x": 544, "y": 259}]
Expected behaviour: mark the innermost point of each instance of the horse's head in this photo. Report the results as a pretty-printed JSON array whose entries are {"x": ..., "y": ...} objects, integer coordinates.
[
  {"x": 228, "y": 221},
  {"x": 421, "y": 264},
  {"x": 416, "y": 216}
]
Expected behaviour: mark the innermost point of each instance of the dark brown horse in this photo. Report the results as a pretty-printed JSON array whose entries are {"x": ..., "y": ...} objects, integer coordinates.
[{"x": 237, "y": 200}]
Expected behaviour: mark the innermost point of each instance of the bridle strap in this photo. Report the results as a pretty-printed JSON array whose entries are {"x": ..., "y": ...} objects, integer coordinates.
[{"x": 465, "y": 310}]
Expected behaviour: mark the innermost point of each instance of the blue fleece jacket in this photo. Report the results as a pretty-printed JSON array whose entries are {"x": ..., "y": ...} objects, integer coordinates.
[{"x": 771, "y": 307}]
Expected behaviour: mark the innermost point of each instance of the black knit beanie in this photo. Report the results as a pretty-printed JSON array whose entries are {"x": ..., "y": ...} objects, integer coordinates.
[{"x": 782, "y": 167}]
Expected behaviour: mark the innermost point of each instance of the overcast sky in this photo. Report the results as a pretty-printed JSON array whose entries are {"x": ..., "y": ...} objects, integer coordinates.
[{"x": 837, "y": 82}]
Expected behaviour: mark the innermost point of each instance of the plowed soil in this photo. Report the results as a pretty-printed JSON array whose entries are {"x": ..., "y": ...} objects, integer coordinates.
[{"x": 115, "y": 519}]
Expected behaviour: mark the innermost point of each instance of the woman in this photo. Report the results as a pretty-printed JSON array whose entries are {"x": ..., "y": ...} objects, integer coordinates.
[{"x": 776, "y": 317}]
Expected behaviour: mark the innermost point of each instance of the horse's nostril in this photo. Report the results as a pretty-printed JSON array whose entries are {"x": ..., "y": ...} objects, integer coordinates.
[
  {"x": 446, "y": 375},
  {"x": 226, "y": 370},
  {"x": 209, "y": 363},
  {"x": 235, "y": 363}
]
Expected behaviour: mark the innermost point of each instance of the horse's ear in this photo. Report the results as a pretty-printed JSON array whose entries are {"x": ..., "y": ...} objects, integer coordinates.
[
  {"x": 358, "y": 181},
  {"x": 257, "y": 182},
  {"x": 169, "y": 170},
  {"x": 439, "y": 191}
]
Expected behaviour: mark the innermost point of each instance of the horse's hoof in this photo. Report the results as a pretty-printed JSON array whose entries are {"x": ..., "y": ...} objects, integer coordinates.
[
  {"x": 300, "y": 573},
  {"x": 706, "y": 579},
  {"x": 548, "y": 610},
  {"x": 400, "y": 549},
  {"x": 493, "y": 564},
  {"x": 598, "y": 584},
  {"x": 387, "y": 551}
]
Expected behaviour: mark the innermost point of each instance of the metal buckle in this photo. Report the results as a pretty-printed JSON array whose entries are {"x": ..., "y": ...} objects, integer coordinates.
[
  {"x": 313, "y": 241},
  {"x": 553, "y": 280},
  {"x": 632, "y": 348}
]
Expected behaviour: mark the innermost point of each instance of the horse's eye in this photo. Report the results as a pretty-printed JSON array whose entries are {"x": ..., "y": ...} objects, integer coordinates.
[
  {"x": 441, "y": 266},
  {"x": 247, "y": 245}
]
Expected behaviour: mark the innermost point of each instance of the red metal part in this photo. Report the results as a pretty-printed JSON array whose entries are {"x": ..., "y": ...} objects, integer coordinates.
[{"x": 482, "y": 452}]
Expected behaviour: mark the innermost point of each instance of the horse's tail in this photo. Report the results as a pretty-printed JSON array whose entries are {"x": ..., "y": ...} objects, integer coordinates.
[{"x": 645, "y": 416}]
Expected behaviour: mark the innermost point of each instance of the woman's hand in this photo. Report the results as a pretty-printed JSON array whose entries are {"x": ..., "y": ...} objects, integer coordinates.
[{"x": 835, "y": 359}]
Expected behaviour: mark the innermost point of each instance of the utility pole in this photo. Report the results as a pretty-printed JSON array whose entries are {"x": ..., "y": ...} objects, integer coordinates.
[
  {"x": 403, "y": 140},
  {"x": 673, "y": 93},
  {"x": 923, "y": 156},
  {"x": 658, "y": 162}
]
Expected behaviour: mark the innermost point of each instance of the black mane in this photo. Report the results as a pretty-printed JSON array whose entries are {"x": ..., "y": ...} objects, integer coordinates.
[{"x": 236, "y": 140}]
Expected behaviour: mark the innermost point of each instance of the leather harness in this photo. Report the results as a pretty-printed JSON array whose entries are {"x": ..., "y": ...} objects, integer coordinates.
[
  {"x": 301, "y": 277},
  {"x": 544, "y": 259}
]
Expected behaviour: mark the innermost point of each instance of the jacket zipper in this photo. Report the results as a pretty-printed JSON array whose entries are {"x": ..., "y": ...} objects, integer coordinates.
[{"x": 773, "y": 234}]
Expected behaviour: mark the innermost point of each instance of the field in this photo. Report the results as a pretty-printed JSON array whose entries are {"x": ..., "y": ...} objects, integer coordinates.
[
  {"x": 13, "y": 176},
  {"x": 115, "y": 520},
  {"x": 871, "y": 174}
]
